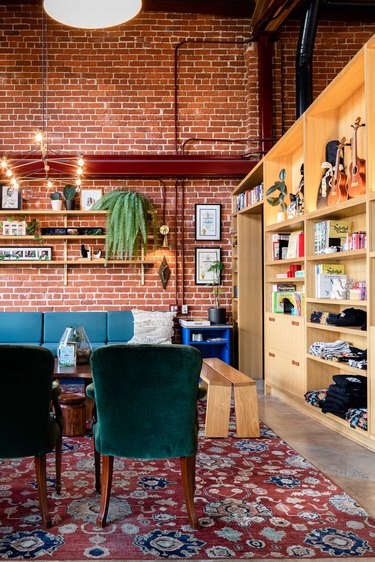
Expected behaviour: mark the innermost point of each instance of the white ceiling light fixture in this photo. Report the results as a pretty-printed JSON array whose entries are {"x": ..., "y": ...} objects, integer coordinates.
[{"x": 92, "y": 14}]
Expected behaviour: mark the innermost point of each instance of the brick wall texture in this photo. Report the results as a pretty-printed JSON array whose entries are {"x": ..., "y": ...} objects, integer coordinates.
[{"x": 112, "y": 91}]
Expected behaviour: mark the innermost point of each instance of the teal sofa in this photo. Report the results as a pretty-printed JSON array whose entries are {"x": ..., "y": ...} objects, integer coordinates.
[{"x": 46, "y": 328}]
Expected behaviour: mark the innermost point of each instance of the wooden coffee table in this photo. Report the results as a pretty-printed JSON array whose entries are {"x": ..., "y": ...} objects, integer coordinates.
[{"x": 78, "y": 372}]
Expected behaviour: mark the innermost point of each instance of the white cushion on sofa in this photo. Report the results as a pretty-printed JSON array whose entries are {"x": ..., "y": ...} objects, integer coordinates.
[{"x": 152, "y": 327}]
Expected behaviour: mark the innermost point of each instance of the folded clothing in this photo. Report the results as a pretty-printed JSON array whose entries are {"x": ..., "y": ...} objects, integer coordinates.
[
  {"x": 316, "y": 397},
  {"x": 351, "y": 382},
  {"x": 348, "y": 317},
  {"x": 357, "y": 417}
]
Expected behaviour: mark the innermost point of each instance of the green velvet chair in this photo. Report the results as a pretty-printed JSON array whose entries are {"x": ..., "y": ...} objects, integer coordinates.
[
  {"x": 27, "y": 426},
  {"x": 146, "y": 408}
]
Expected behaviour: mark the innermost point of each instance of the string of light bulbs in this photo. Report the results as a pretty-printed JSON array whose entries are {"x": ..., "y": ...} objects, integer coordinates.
[{"x": 16, "y": 170}]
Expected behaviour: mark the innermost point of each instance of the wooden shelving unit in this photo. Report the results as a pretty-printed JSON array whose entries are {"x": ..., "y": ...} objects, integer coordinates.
[
  {"x": 247, "y": 266},
  {"x": 62, "y": 242},
  {"x": 289, "y": 369}
]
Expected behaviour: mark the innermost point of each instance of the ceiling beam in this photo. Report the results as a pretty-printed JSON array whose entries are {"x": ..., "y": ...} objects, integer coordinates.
[{"x": 110, "y": 166}]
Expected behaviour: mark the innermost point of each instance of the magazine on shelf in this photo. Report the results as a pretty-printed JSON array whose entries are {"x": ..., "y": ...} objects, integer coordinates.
[{"x": 193, "y": 323}]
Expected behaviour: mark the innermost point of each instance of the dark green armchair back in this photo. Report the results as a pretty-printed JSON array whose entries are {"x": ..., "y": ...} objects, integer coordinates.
[
  {"x": 146, "y": 399},
  {"x": 26, "y": 426}
]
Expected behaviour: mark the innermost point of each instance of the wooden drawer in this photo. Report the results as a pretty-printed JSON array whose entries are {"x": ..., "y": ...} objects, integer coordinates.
[
  {"x": 284, "y": 371},
  {"x": 285, "y": 333}
]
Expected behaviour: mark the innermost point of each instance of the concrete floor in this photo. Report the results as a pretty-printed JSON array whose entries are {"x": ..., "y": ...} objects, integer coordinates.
[{"x": 350, "y": 466}]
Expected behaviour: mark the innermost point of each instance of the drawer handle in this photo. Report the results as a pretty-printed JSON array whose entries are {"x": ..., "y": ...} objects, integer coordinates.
[
  {"x": 271, "y": 354},
  {"x": 294, "y": 323},
  {"x": 296, "y": 363},
  {"x": 271, "y": 319}
]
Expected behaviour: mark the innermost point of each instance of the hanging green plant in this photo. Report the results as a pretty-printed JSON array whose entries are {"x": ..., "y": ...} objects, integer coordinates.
[{"x": 127, "y": 222}]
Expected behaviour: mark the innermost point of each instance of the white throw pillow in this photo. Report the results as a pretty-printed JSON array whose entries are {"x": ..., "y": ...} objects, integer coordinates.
[{"x": 152, "y": 327}]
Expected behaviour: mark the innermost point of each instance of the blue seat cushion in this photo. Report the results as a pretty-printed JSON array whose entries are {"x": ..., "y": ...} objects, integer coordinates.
[
  {"x": 21, "y": 327},
  {"x": 120, "y": 326},
  {"x": 95, "y": 324}
]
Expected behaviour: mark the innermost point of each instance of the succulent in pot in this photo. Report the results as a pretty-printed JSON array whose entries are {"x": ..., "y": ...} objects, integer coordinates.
[
  {"x": 69, "y": 194},
  {"x": 56, "y": 201}
]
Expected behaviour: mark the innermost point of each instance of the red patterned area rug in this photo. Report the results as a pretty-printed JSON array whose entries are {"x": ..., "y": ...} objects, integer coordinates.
[{"x": 256, "y": 498}]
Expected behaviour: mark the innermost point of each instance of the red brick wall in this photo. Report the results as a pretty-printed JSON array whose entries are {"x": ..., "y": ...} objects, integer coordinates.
[
  {"x": 113, "y": 92},
  {"x": 335, "y": 44}
]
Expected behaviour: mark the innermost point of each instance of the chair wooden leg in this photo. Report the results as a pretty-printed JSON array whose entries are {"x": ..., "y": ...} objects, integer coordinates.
[
  {"x": 41, "y": 479},
  {"x": 58, "y": 452},
  {"x": 107, "y": 472},
  {"x": 188, "y": 483},
  {"x": 98, "y": 485}
]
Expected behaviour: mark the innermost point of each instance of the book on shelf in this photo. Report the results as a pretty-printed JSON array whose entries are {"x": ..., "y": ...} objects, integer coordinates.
[
  {"x": 288, "y": 302},
  {"x": 249, "y": 197},
  {"x": 282, "y": 287},
  {"x": 279, "y": 246},
  {"x": 326, "y": 285},
  {"x": 330, "y": 233},
  {"x": 193, "y": 323},
  {"x": 295, "y": 245},
  {"x": 332, "y": 268}
]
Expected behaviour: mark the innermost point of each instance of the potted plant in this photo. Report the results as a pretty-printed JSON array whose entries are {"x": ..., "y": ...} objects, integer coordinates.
[
  {"x": 279, "y": 186},
  {"x": 216, "y": 314},
  {"x": 56, "y": 201},
  {"x": 127, "y": 222},
  {"x": 69, "y": 192}
]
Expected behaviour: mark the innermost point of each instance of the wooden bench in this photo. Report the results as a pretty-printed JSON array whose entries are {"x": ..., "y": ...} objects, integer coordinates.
[{"x": 220, "y": 379}]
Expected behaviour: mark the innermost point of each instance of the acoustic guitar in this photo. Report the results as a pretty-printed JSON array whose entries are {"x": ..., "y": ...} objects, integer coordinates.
[
  {"x": 338, "y": 191},
  {"x": 357, "y": 169}
]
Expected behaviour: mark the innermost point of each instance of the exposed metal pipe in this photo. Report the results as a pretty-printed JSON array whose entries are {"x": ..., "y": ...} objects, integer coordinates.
[
  {"x": 305, "y": 49},
  {"x": 176, "y": 52}
]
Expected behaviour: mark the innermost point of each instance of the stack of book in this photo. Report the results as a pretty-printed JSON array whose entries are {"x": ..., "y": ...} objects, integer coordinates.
[
  {"x": 330, "y": 281},
  {"x": 330, "y": 233}
]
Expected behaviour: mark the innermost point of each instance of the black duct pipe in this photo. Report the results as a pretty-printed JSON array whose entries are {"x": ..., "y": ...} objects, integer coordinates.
[{"x": 305, "y": 49}]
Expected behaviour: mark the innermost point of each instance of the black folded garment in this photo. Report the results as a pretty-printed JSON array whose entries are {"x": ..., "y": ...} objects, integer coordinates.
[
  {"x": 345, "y": 403},
  {"x": 352, "y": 317},
  {"x": 355, "y": 392},
  {"x": 337, "y": 412},
  {"x": 351, "y": 381}
]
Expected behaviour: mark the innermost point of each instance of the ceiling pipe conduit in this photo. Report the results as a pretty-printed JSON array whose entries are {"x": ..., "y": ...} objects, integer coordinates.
[{"x": 305, "y": 48}]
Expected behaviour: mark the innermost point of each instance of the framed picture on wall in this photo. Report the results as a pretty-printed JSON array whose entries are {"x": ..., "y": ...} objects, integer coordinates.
[
  {"x": 10, "y": 198},
  {"x": 207, "y": 222},
  {"x": 204, "y": 257},
  {"x": 25, "y": 253},
  {"x": 89, "y": 197}
]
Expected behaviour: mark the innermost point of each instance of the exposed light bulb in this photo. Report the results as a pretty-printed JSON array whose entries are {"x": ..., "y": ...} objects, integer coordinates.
[
  {"x": 4, "y": 163},
  {"x": 39, "y": 136},
  {"x": 13, "y": 181},
  {"x": 79, "y": 171},
  {"x": 49, "y": 183},
  {"x": 9, "y": 173},
  {"x": 15, "y": 185},
  {"x": 78, "y": 182},
  {"x": 80, "y": 162}
]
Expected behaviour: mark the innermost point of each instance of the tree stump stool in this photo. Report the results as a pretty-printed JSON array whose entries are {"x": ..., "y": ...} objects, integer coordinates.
[{"x": 74, "y": 413}]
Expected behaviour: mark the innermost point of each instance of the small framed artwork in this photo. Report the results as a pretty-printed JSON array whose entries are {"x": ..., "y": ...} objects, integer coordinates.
[
  {"x": 14, "y": 228},
  {"x": 204, "y": 257},
  {"x": 207, "y": 222},
  {"x": 89, "y": 197},
  {"x": 10, "y": 198},
  {"x": 25, "y": 253}
]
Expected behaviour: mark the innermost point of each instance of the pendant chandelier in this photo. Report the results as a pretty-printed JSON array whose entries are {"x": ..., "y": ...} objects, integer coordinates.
[
  {"x": 42, "y": 161},
  {"x": 92, "y": 14}
]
